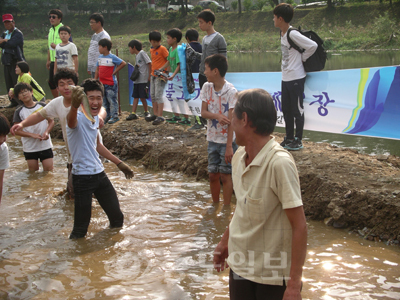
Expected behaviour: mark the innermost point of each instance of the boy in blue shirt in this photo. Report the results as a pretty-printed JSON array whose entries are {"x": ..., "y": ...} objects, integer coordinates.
[
  {"x": 87, "y": 170},
  {"x": 107, "y": 66}
]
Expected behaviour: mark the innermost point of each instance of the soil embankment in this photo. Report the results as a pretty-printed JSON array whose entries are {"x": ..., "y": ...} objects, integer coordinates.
[{"x": 341, "y": 186}]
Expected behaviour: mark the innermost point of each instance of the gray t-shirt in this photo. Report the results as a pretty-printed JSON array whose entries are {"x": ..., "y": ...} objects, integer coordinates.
[{"x": 142, "y": 60}]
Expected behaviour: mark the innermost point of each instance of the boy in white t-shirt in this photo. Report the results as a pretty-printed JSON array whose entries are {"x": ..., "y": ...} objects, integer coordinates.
[
  {"x": 66, "y": 52},
  {"x": 293, "y": 76},
  {"x": 4, "y": 159},
  {"x": 36, "y": 139},
  {"x": 218, "y": 98}
]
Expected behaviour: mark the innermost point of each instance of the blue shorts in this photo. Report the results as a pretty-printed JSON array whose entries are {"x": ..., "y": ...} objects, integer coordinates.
[{"x": 216, "y": 158}]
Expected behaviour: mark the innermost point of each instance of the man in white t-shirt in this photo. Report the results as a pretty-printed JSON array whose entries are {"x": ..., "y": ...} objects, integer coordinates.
[
  {"x": 293, "y": 76},
  {"x": 266, "y": 242},
  {"x": 58, "y": 108},
  {"x": 96, "y": 22},
  {"x": 4, "y": 159}
]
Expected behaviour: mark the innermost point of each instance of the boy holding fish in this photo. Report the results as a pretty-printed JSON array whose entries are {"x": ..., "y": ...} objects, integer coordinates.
[
  {"x": 58, "y": 108},
  {"x": 88, "y": 172}
]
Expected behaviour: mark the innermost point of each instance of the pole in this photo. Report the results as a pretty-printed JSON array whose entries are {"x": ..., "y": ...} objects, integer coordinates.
[{"x": 119, "y": 101}]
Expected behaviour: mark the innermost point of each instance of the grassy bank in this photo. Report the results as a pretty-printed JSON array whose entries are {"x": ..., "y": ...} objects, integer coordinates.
[{"x": 363, "y": 26}]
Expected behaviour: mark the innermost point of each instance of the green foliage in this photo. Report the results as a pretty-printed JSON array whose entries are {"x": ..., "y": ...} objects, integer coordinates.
[
  {"x": 384, "y": 26},
  {"x": 213, "y": 7},
  {"x": 247, "y": 4},
  {"x": 260, "y": 4},
  {"x": 271, "y": 3},
  {"x": 234, "y": 5},
  {"x": 197, "y": 9}
]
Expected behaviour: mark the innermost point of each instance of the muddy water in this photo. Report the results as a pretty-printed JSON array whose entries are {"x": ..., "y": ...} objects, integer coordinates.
[{"x": 164, "y": 250}]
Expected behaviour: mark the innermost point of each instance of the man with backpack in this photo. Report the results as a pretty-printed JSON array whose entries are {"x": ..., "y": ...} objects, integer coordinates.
[{"x": 293, "y": 75}]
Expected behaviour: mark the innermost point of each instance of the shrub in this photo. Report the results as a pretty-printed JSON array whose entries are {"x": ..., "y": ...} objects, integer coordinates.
[
  {"x": 197, "y": 9},
  {"x": 213, "y": 7},
  {"x": 260, "y": 4},
  {"x": 234, "y": 5},
  {"x": 247, "y": 4}
]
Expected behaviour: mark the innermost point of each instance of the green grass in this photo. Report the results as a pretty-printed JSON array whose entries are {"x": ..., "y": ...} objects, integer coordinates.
[{"x": 357, "y": 26}]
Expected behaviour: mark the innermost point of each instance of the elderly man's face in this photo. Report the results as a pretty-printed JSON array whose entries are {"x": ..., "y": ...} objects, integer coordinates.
[{"x": 9, "y": 25}]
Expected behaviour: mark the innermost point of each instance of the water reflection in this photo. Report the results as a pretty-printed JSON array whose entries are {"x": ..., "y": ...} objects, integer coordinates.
[{"x": 164, "y": 250}]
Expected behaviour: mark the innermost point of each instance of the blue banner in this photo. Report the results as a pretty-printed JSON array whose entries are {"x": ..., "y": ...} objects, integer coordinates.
[{"x": 362, "y": 102}]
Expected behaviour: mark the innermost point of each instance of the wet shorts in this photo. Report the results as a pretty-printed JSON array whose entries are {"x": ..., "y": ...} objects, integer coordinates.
[
  {"x": 139, "y": 90},
  {"x": 42, "y": 155},
  {"x": 216, "y": 158}
]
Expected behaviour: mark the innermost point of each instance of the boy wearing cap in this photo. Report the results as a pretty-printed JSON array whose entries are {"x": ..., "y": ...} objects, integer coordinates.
[
  {"x": 22, "y": 70},
  {"x": 12, "y": 43}
]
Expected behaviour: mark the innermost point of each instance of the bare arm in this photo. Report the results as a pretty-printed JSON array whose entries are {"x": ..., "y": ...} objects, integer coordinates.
[
  {"x": 223, "y": 120},
  {"x": 55, "y": 66},
  {"x": 299, "y": 248},
  {"x": 76, "y": 63},
  {"x": 96, "y": 74},
  {"x": 149, "y": 66},
  {"x": 50, "y": 126},
  {"x": 121, "y": 65},
  {"x": 48, "y": 60},
  {"x": 164, "y": 67},
  {"x": 33, "y": 119},
  {"x": 221, "y": 252},
  {"x": 28, "y": 134},
  {"x": 229, "y": 148},
  {"x": 1, "y": 183},
  {"x": 103, "y": 151},
  {"x": 178, "y": 68}
]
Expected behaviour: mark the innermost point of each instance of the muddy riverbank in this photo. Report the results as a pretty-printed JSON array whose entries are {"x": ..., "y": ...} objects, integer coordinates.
[{"x": 344, "y": 188}]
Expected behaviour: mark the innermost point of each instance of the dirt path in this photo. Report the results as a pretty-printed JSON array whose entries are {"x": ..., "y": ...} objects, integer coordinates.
[{"x": 344, "y": 188}]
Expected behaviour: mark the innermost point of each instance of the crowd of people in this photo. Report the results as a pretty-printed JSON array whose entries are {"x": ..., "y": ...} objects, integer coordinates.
[{"x": 265, "y": 244}]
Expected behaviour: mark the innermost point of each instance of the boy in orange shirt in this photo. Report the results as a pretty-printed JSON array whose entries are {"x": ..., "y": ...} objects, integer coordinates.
[{"x": 159, "y": 56}]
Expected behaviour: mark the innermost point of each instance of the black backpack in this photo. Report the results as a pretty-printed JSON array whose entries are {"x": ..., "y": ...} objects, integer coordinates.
[{"x": 315, "y": 62}]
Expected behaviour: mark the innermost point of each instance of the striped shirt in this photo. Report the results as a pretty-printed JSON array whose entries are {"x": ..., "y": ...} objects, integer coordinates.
[{"x": 93, "y": 52}]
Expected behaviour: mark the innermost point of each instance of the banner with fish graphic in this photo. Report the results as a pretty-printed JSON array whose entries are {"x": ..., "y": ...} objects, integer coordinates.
[{"x": 362, "y": 102}]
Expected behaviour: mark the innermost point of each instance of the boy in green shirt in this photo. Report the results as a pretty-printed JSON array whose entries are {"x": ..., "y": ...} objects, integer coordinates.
[{"x": 174, "y": 36}]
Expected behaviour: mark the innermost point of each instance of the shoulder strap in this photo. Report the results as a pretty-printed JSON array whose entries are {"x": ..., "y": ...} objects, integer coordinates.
[{"x": 291, "y": 43}]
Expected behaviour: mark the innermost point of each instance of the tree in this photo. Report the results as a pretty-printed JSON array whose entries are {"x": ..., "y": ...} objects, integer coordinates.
[
  {"x": 240, "y": 6},
  {"x": 261, "y": 3}
]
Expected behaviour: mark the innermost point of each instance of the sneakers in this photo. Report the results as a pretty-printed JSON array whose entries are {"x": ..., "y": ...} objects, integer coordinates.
[
  {"x": 197, "y": 126},
  {"x": 173, "y": 120},
  {"x": 106, "y": 120},
  {"x": 158, "y": 121},
  {"x": 113, "y": 120},
  {"x": 132, "y": 117},
  {"x": 150, "y": 118},
  {"x": 146, "y": 114},
  {"x": 185, "y": 122},
  {"x": 295, "y": 145},
  {"x": 286, "y": 142}
]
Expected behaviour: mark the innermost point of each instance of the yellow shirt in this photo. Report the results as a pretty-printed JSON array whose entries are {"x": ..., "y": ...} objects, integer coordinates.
[{"x": 260, "y": 234}]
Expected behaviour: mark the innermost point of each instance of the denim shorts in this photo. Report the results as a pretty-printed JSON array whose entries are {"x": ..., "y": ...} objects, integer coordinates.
[{"x": 216, "y": 158}]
